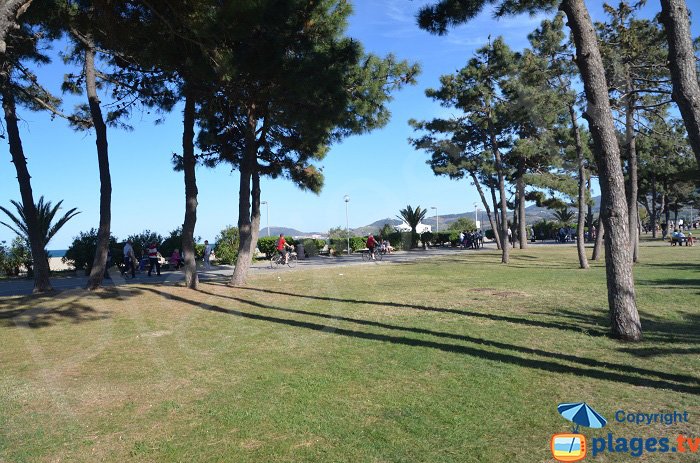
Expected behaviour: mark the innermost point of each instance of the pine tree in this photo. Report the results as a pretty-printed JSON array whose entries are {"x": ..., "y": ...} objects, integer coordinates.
[{"x": 624, "y": 317}]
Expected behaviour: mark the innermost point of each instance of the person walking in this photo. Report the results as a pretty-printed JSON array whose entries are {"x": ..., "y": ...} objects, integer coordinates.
[
  {"x": 153, "y": 259},
  {"x": 129, "y": 259},
  {"x": 207, "y": 255}
]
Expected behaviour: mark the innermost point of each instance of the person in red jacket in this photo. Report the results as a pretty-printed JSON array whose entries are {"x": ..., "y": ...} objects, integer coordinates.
[
  {"x": 282, "y": 248},
  {"x": 371, "y": 244}
]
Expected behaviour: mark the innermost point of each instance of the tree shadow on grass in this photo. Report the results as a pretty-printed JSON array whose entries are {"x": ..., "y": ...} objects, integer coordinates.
[
  {"x": 655, "y": 329},
  {"x": 671, "y": 283},
  {"x": 549, "y": 365},
  {"x": 28, "y": 311},
  {"x": 680, "y": 266},
  {"x": 649, "y": 352},
  {"x": 459, "y": 337},
  {"x": 494, "y": 317}
]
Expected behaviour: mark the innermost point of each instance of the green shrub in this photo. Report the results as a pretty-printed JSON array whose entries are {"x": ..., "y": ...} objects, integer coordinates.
[
  {"x": 311, "y": 247},
  {"x": 545, "y": 230},
  {"x": 357, "y": 243},
  {"x": 141, "y": 241},
  {"x": 81, "y": 252},
  {"x": 199, "y": 251},
  {"x": 490, "y": 234},
  {"x": 173, "y": 242},
  {"x": 226, "y": 248},
  {"x": 268, "y": 244},
  {"x": 15, "y": 256}
]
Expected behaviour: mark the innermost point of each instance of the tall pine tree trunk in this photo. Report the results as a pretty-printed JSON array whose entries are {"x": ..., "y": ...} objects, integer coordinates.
[
  {"x": 682, "y": 63},
  {"x": 505, "y": 248},
  {"x": 624, "y": 317},
  {"x": 103, "y": 231},
  {"x": 497, "y": 214},
  {"x": 654, "y": 210},
  {"x": 486, "y": 208},
  {"x": 189, "y": 164},
  {"x": 246, "y": 214},
  {"x": 600, "y": 233},
  {"x": 243, "y": 261},
  {"x": 520, "y": 194},
  {"x": 36, "y": 240},
  {"x": 582, "y": 181},
  {"x": 633, "y": 185}
]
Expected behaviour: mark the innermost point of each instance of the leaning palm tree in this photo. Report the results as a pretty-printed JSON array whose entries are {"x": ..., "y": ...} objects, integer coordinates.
[
  {"x": 412, "y": 217},
  {"x": 45, "y": 215}
]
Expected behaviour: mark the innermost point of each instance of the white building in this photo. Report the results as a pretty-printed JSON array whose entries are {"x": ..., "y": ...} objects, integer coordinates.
[{"x": 421, "y": 228}]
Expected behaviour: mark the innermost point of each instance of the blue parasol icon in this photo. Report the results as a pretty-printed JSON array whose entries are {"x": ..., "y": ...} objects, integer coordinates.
[{"x": 581, "y": 414}]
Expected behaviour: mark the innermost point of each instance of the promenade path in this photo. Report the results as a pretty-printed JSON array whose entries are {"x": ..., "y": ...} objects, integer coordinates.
[{"x": 21, "y": 287}]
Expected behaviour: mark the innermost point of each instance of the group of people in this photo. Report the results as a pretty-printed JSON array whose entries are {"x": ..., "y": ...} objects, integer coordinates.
[
  {"x": 152, "y": 258},
  {"x": 566, "y": 234},
  {"x": 471, "y": 239},
  {"x": 678, "y": 238},
  {"x": 373, "y": 245}
]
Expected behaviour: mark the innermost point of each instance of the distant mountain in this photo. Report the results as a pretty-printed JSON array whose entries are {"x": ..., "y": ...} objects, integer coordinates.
[
  {"x": 532, "y": 213},
  {"x": 275, "y": 231}
]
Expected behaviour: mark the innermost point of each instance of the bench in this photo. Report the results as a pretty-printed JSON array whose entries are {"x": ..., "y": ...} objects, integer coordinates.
[{"x": 688, "y": 240}]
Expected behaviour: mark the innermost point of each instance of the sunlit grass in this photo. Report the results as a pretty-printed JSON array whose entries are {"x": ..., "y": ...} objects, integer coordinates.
[{"x": 454, "y": 359}]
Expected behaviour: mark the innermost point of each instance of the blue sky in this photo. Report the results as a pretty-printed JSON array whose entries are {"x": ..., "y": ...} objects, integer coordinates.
[{"x": 380, "y": 171}]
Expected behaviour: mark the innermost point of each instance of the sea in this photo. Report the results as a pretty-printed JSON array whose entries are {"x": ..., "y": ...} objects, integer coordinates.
[{"x": 57, "y": 252}]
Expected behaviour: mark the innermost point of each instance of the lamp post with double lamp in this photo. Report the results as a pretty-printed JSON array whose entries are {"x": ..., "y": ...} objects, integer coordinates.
[
  {"x": 437, "y": 219},
  {"x": 267, "y": 215},
  {"x": 347, "y": 223}
]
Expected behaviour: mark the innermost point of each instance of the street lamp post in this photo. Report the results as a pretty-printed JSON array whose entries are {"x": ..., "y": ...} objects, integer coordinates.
[
  {"x": 347, "y": 226},
  {"x": 476, "y": 216},
  {"x": 437, "y": 219},
  {"x": 267, "y": 215}
]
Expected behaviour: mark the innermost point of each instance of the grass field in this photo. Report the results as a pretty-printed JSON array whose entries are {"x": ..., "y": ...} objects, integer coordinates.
[{"x": 459, "y": 359}]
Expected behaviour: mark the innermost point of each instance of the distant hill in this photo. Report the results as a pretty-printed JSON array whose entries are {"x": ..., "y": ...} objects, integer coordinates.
[
  {"x": 275, "y": 231},
  {"x": 532, "y": 213}
]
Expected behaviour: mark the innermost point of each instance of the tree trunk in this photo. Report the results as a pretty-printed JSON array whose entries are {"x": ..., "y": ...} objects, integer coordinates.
[
  {"x": 667, "y": 215},
  {"x": 632, "y": 185},
  {"x": 246, "y": 216},
  {"x": 103, "y": 231},
  {"x": 654, "y": 210},
  {"x": 36, "y": 240},
  {"x": 520, "y": 194},
  {"x": 243, "y": 261},
  {"x": 497, "y": 214},
  {"x": 505, "y": 249},
  {"x": 486, "y": 208},
  {"x": 600, "y": 232},
  {"x": 624, "y": 317},
  {"x": 682, "y": 63},
  {"x": 582, "y": 181},
  {"x": 189, "y": 164},
  {"x": 10, "y": 11}
]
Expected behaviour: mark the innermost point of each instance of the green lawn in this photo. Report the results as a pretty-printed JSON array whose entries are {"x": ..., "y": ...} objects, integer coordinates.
[{"x": 455, "y": 359}]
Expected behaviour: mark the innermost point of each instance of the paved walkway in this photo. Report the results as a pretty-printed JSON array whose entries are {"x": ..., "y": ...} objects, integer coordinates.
[{"x": 221, "y": 272}]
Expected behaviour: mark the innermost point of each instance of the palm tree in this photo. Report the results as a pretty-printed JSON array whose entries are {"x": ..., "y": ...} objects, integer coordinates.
[
  {"x": 564, "y": 215},
  {"x": 412, "y": 217},
  {"x": 45, "y": 216}
]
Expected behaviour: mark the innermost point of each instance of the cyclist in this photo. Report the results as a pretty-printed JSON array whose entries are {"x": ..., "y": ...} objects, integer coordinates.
[
  {"x": 282, "y": 248},
  {"x": 371, "y": 244}
]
